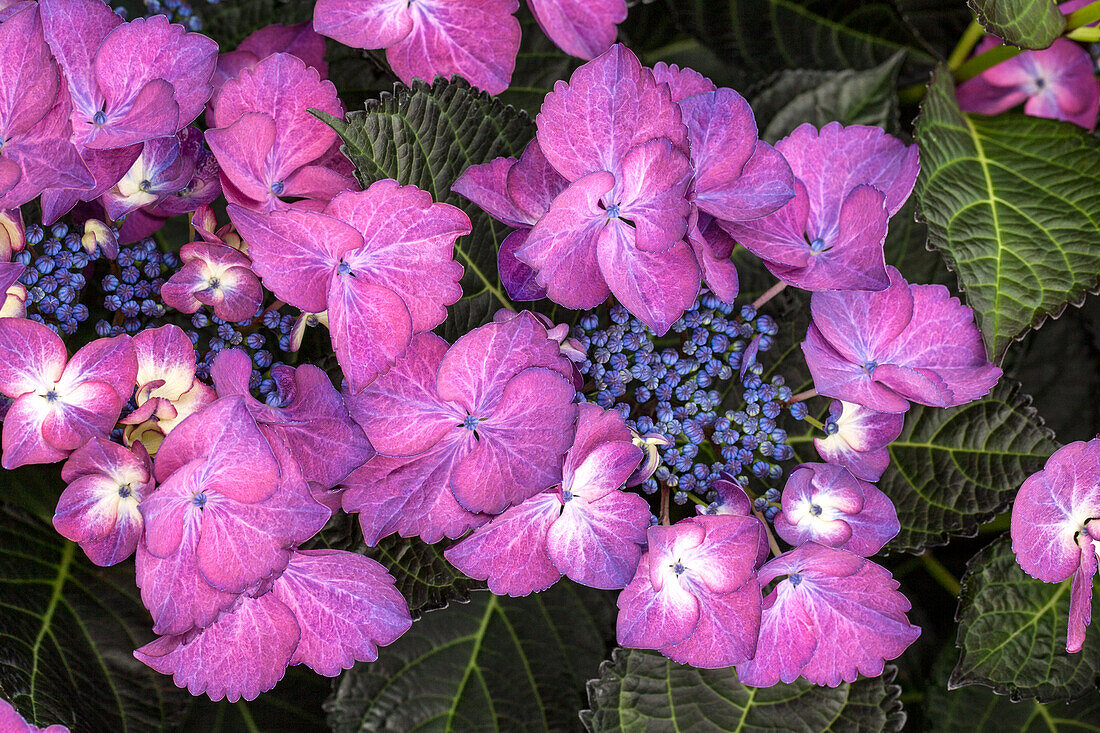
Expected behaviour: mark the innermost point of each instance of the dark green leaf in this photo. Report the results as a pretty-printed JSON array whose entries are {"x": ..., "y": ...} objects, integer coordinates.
[
  {"x": 793, "y": 97},
  {"x": 951, "y": 470},
  {"x": 294, "y": 706},
  {"x": 977, "y": 709},
  {"x": 496, "y": 663},
  {"x": 907, "y": 249},
  {"x": 1013, "y": 203},
  {"x": 1012, "y": 632},
  {"x": 423, "y": 575},
  {"x": 762, "y": 36},
  {"x": 1023, "y": 23},
  {"x": 939, "y": 23},
  {"x": 427, "y": 136},
  {"x": 229, "y": 23},
  {"x": 69, "y": 631},
  {"x": 34, "y": 488},
  {"x": 641, "y": 690}
]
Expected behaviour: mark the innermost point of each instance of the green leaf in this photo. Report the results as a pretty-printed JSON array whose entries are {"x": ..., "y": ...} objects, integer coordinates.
[
  {"x": 761, "y": 36},
  {"x": 793, "y": 97},
  {"x": 294, "y": 706},
  {"x": 229, "y": 23},
  {"x": 951, "y": 470},
  {"x": 1023, "y": 23},
  {"x": 1012, "y": 632},
  {"x": 69, "y": 631},
  {"x": 907, "y": 249},
  {"x": 423, "y": 575},
  {"x": 939, "y": 23},
  {"x": 427, "y": 135},
  {"x": 496, "y": 663},
  {"x": 641, "y": 690},
  {"x": 977, "y": 709},
  {"x": 1013, "y": 203},
  {"x": 34, "y": 488}
]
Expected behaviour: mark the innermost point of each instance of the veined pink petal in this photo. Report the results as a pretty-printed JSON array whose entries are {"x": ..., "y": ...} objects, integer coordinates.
[
  {"x": 727, "y": 632},
  {"x": 32, "y": 357},
  {"x": 683, "y": 82},
  {"x": 363, "y": 23},
  {"x": 578, "y": 27},
  {"x": 370, "y": 325},
  {"x": 112, "y": 361},
  {"x": 167, "y": 355},
  {"x": 22, "y": 433},
  {"x": 599, "y": 542},
  {"x": 86, "y": 411},
  {"x": 650, "y": 618}
]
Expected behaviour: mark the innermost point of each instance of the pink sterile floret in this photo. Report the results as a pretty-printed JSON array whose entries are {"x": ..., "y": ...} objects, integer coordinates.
[
  {"x": 476, "y": 39},
  {"x": 830, "y": 506},
  {"x": 214, "y": 275},
  {"x": 834, "y": 617},
  {"x": 60, "y": 404},
  {"x": 229, "y": 507},
  {"x": 1057, "y": 82},
  {"x": 849, "y": 180},
  {"x": 266, "y": 141},
  {"x": 99, "y": 507},
  {"x": 1056, "y": 528},
  {"x": 908, "y": 342},
  {"x": 328, "y": 609},
  {"x": 587, "y": 529},
  {"x": 695, "y": 597},
  {"x": 380, "y": 261},
  {"x": 463, "y": 431},
  {"x": 858, "y": 438},
  {"x": 310, "y": 417}
]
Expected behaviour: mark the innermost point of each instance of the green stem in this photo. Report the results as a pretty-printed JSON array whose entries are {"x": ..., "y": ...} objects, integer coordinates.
[
  {"x": 986, "y": 60},
  {"x": 966, "y": 44},
  {"x": 815, "y": 422},
  {"x": 1086, "y": 15},
  {"x": 697, "y": 500},
  {"x": 940, "y": 574},
  {"x": 1085, "y": 35}
]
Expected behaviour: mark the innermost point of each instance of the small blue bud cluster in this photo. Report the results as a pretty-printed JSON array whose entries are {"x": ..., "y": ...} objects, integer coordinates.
[
  {"x": 259, "y": 337},
  {"x": 768, "y": 504},
  {"x": 680, "y": 386},
  {"x": 56, "y": 274},
  {"x": 132, "y": 288}
]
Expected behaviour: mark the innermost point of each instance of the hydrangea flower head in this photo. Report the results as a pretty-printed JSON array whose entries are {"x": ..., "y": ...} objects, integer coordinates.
[
  {"x": 587, "y": 529},
  {"x": 460, "y": 431},
  {"x": 833, "y": 617},
  {"x": 379, "y": 261},
  {"x": 36, "y": 152},
  {"x": 1058, "y": 82},
  {"x": 167, "y": 388},
  {"x": 99, "y": 507},
  {"x": 858, "y": 438},
  {"x": 267, "y": 143},
  {"x": 308, "y": 414},
  {"x": 908, "y": 342},
  {"x": 826, "y": 504},
  {"x": 476, "y": 39},
  {"x": 1056, "y": 528},
  {"x": 229, "y": 507},
  {"x": 327, "y": 609},
  {"x": 695, "y": 597},
  {"x": 60, "y": 403},
  {"x": 849, "y": 181}
]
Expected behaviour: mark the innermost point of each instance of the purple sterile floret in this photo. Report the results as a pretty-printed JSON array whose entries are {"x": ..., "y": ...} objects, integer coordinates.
[
  {"x": 583, "y": 28},
  {"x": 129, "y": 83},
  {"x": 380, "y": 261},
  {"x": 267, "y": 143},
  {"x": 908, "y": 342},
  {"x": 214, "y": 275},
  {"x": 476, "y": 39},
  {"x": 1058, "y": 82},
  {"x": 834, "y": 616},
  {"x": 159, "y": 171},
  {"x": 849, "y": 180},
  {"x": 695, "y": 597},
  {"x": 229, "y": 507},
  {"x": 460, "y": 431},
  {"x": 587, "y": 529},
  {"x": 59, "y": 403},
  {"x": 99, "y": 507},
  {"x": 312, "y": 419},
  {"x": 36, "y": 151},
  {"x": 1056, "y": 528},
  {"x": 328, "y": 609},
  {"x": 826, "y": 504},
  {"x": 857, "y": 438}
]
